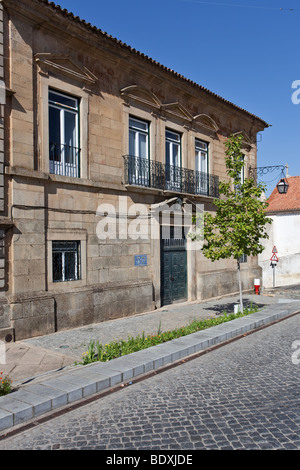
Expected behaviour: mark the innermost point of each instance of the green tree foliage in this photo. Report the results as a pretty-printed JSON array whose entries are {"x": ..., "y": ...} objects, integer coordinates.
[{"x": 238, "y": 226}]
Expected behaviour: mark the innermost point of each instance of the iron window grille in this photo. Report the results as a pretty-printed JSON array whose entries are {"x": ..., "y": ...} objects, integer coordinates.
[{"x": 66, "y": 261}]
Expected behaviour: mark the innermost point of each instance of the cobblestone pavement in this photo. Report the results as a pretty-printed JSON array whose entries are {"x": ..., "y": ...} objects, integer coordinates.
[{"x": 244, "y": 395}]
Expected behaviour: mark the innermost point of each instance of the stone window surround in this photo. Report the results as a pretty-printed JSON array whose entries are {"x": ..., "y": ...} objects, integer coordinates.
[
  {"x": 67, "y": 235},
  {"x": 49, "y": 82}
]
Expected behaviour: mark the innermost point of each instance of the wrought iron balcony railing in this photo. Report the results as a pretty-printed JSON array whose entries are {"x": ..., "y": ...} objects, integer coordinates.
[
  {"x": 143, "y": 172},
  {"x": 64, "y": 160}
]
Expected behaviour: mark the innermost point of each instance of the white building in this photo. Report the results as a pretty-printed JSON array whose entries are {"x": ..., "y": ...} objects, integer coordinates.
[{"x": 284, "y": 234}]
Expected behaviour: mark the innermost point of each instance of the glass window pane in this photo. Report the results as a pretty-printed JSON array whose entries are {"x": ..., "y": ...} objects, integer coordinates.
[
  {"x": 54, "y": 134},
  {"x": 201, "y": 156},
  {"x": 57, "y": 266},
  {"x": 201, "y": 145},
  {"x": 172, "y": 148},
  {"x": 54, "y": 125},
  {"x": 63, "y": 100},
  {"x": 65, "y": 260},
  {"x": 70, "y": 144},
  {"x": 197, "y": 161},
  {"x": 175, "y": 156},
  {"x": 143, "y": 147},
  {"x": 168, "y": 153},
  {"x": 204, "y": 162},
  {"x": 137, "y": 124},
  {"x": 70, "y": 265},
  {"x": 138, "y": 138},
  {"x": 70, "y": 129},
  {"x": 172, "y": 136},
  {"x": 132, "y": 143}
]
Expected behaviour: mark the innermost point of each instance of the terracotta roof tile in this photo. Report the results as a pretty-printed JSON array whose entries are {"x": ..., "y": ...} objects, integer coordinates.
[{"x": 286, "y": 202}]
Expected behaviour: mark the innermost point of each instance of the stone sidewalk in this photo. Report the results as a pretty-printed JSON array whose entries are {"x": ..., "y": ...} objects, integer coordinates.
[
  {"x": 34, "y": 357},
  {"x": 54, "y": 389}
]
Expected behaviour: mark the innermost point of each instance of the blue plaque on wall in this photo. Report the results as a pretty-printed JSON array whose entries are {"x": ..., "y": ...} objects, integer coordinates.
[{"x": 140, "y": 260}]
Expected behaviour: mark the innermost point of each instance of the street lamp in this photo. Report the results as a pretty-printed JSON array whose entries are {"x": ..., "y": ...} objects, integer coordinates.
[{"x": 282, "y": 186}]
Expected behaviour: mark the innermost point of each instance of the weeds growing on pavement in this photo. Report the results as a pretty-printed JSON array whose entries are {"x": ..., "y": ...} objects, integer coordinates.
[
  {"x": 5, "y": 384},
  {"x": 98, "y": 352}
]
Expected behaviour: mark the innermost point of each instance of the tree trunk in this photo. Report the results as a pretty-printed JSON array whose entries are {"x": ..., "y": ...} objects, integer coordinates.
[{"x": 240, "y": 287}]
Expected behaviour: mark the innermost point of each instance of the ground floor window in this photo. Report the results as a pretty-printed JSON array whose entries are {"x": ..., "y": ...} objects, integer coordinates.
[{"x": 65, "y": 261}]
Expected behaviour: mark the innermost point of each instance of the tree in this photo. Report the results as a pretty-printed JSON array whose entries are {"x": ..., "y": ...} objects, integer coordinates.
[{"x": 239, "y": 223}]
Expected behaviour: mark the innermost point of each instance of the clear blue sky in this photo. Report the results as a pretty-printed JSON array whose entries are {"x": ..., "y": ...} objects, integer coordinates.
[{"x": 247, "y": 51}]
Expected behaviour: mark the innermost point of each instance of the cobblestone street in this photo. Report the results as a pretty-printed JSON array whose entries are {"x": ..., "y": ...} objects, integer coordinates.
[{"x": 244, "y": 395}]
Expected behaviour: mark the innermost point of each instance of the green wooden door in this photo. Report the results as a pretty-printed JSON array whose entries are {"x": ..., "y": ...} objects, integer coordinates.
[{"x": 173, "y": 270}]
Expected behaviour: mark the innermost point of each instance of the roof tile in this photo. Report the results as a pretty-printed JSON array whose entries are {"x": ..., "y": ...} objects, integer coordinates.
[
  {"x": 98, "y": 31},
  {"x": 286, "y": 202}
]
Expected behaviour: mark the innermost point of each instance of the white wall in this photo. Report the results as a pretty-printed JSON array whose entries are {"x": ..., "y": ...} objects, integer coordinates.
[{"x": 284, "y": 233}]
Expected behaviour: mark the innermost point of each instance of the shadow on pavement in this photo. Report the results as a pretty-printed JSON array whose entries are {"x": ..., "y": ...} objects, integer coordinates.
[{"x": 229, "y": 307}]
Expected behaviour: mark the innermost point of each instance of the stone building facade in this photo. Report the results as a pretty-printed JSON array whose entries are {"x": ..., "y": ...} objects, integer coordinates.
[{"x": 99, "y": 142}]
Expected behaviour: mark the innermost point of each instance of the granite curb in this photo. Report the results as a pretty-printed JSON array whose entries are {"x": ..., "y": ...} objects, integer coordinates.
[{"x": 60, "y": 389}]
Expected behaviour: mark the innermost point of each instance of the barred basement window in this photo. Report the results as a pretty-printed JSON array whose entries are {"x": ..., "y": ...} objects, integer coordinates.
[{"x": 66, "y": 261}]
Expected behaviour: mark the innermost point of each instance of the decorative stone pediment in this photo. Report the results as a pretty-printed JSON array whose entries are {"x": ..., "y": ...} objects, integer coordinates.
[
  {"x": 246, "y": 142},
  {"x": 64, "y": 65},
  {"x": 140, "y": 94},
  {"x": 177, "y": 110},
  {"x": 204, "y": 120}
]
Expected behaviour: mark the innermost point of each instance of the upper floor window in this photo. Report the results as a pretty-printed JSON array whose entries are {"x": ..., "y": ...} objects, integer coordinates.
[
  {"x": 243, "y": 171},
  {"x": 241, "y": 176},
  {"x": 138, "y": 138},
  {"x": 63, "y": 134},
  {"x": 201, "y": 167},
  {"x": 201, "y": 156},
  {"x": 173, "y": 148},
  {"x": 173, "y": 161}
]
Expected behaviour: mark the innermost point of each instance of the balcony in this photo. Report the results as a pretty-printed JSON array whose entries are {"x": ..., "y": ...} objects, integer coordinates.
[
  {"x": 151, "y": 174},
  {"x": 64, "y": 160}
]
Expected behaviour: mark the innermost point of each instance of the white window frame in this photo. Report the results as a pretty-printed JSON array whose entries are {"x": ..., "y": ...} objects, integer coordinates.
[
  {"x": 201, "y": 155},
  {"x": 173, "y": 183},
  {"x": 139, "y": 163},
  {"x": 61, "y": 166},
  {"x": 50, "y": 82},
  {"x": 138, "y": 132},
  {"x": 172, "y": 143}
]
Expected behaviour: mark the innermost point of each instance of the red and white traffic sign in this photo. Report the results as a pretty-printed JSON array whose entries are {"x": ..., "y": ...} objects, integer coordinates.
[
  {"x": 274, "y": 258},
  {"x": 274, "y": 250}
]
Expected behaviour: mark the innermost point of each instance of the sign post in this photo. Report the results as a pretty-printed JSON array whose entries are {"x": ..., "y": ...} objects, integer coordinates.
[{"x": 274, "y": 261}]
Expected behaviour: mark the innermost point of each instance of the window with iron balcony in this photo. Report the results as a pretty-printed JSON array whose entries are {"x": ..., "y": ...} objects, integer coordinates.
[
  {"x": 140, "y": 170},
  {"x": 64, "y": 151}
]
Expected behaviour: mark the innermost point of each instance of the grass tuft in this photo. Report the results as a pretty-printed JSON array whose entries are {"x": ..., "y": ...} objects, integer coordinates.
[{"x": 103, "y": 353}]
